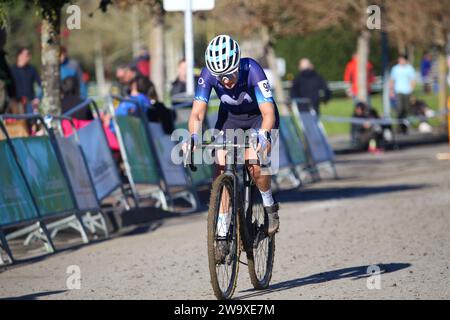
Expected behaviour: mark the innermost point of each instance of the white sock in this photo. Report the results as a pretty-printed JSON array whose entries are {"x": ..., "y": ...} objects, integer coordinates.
[
  {"x": 223, "y": 220},
  {"x": 267, "y": 198}
]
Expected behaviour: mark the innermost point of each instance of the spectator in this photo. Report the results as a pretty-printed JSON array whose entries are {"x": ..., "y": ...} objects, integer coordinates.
[
  {"x": 419, "y": 108},
  {"x": 7, "y": 86},
  {"x": 351, "y": 77},
  {"x": 159, "y": 112},
  {"x": 125, "y": 74},
  {"x": 25, "y": 77},
  {"x": 70, "y": 90},
  {"x": 142, "y": 62},
  {"x": 179, "y": 85},
  {"x": 425, "y": 71},
  {"x": 139, "y": 88},
  {"x": 309, "y": 84},
  {"x": 402, "y": 84},
  {"x": 71, "y": 67},
  {"x": 362, "y": 133}
]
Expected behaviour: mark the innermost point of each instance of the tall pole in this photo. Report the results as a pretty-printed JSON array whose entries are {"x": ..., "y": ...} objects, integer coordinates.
[
  {"x": 385, "y": 74},
  {"x": 189, "y": 48}
]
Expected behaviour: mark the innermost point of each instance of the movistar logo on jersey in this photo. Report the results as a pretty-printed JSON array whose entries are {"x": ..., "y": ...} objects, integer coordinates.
[{"x": 244, "y": 96}]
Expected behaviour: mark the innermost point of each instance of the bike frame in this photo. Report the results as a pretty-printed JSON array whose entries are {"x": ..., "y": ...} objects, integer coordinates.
[{"x": 231, "y": 171}]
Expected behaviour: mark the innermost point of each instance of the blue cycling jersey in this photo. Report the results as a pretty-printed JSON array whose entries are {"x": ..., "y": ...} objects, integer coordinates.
[{"x": 251, "y": 89}]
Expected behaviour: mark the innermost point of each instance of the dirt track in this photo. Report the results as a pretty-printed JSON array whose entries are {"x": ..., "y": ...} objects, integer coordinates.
[{"x": 390, "y": 210}]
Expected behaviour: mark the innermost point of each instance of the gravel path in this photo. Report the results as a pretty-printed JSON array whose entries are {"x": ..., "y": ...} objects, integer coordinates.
[{"x": 390, "y": 210}]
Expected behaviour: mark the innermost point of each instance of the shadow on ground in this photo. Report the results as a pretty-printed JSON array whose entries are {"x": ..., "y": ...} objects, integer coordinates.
[
  {"x": 134, "y": 222},
  {"x": 355, "y": 273},
  {"x": 34, "y": 296},
  {"x": 345, "y": 192},
  {"x": 341, "y": 145}
]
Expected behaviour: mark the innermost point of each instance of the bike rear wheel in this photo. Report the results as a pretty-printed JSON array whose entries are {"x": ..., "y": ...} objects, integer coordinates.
[
  {"x": 261, "y": 248},
  {"x": 223, "y": 273}
]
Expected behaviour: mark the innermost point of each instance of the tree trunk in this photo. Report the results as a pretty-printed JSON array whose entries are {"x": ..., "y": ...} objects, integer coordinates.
[
  {"x": 135, "y": 36},
  {"x": 442, "y": 95},
  {"x": 269, "y": 51},
  {"x": 50, "y": 46},
  {"x": 363, "y": 58},
  {"x": 157, "y": 53},
  {"x": 410, "y": 54},
  {"x": 99, "y": 68},
  {"x": 174, "y": 53},
  {"x": 401, "y": 47}
]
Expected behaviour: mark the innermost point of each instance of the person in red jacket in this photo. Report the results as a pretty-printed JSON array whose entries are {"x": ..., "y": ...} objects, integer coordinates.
[
  {"x": 142, "y": 62},
  {"x": 351, "y": 77}
]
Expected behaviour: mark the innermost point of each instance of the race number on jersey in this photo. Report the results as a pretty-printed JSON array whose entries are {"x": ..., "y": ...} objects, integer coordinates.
[{"x": 264, "y": 86}]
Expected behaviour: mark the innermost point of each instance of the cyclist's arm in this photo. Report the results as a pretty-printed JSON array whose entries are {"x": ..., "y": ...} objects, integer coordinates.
[
  {"x": 263, "y": 93},
  {"x": 268, "y": 114},
  {"x": 200, "y": 104},
  {"x": 197, "y": 116}
]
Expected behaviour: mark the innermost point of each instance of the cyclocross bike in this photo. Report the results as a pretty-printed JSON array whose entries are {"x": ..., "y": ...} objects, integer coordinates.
[{"x": 247, "y": 225}]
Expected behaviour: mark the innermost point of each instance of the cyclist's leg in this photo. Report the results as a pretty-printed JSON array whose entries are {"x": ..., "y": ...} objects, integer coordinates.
[
  {"x": 263, "y": 182},
  {"x": 223, "y": 220}
]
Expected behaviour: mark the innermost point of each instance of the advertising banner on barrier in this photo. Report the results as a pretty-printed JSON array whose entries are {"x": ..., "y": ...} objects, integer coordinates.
[
  {"x": 320, "y": 149},
  {"x": 294, "y": 143},
  {"x": 173, "y": 174},
  {"x": 283, "y": 160},
  {"x": 78, "y": 173},
  {"x": 44, "y": 174},
  {"x": 100, "y": 162},
  {"x": 139, "y": 155},
  {"x": 16, "y": 204}
]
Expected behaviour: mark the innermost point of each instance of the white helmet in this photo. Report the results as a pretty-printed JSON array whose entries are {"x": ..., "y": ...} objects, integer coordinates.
[{"x": 222, "y": 55}]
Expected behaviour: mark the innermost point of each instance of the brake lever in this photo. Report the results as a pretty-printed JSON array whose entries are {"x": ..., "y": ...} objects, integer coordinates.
[
  {"x": 259, "y": 154},
  {"x": 188, "y": 156}
]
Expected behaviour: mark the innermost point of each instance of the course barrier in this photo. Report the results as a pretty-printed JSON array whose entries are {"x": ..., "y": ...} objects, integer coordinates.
[
  {"x": 34, "y": 166},
  {"x": 319, "y": 152},
  {"x": 295, "y": 148},
  {"x": 17, "y": 207},
  {"x": 203, "y": 175},
  {"x": 76, "y": 166},
  {"x": 146, "y": 152},
  {"x": 99, "y": 158}
]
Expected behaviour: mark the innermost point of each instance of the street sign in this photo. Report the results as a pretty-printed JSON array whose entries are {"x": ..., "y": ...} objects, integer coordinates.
[
  {"x": 197, "y": 5},
  {"x": 188, "y": 6}
]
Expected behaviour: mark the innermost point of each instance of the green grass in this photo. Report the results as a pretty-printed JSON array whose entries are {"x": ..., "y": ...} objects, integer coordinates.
[{"x": 343, "y": 107}]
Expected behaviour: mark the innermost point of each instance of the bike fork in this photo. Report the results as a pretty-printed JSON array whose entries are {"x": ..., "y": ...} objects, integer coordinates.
[{"x": 247, "y": 191}]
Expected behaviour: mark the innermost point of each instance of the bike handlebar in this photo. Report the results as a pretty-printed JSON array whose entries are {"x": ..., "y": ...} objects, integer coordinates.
[{"x": 187, "y": 161}]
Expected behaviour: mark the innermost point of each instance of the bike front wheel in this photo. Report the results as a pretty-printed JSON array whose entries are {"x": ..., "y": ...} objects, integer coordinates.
[
  {"x": 223, "y": 250},
  {"x": 261, "y": 249}
]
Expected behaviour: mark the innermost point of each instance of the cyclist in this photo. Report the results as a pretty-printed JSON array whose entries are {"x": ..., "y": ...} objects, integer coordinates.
[{"x": 246, "y": 103}]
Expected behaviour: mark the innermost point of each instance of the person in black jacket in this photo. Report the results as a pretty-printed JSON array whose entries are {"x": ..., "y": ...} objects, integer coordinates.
[
  {"x": 70, "y": 97},
  {"x": 7, "y": 85},
  {"x": 159, "y": 112},
  {"x": 362, "y": 133},
  {"x": 311, "y": 85},
  {"x": 25, "y": 77}
]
